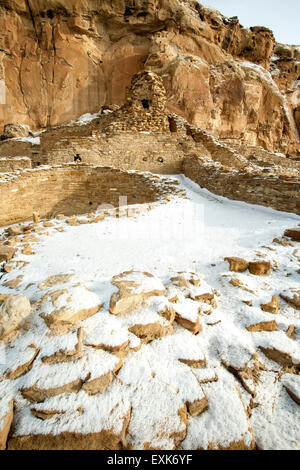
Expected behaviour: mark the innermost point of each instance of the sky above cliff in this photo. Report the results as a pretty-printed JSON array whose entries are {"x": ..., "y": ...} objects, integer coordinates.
[{"x": 280, "y": 16}]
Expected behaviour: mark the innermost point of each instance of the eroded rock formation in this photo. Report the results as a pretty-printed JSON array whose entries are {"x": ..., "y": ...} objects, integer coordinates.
[{"x": 60, "y": 59}]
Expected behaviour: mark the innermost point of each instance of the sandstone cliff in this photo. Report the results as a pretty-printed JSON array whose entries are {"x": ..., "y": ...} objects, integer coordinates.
[{"x": 60, "y": 59}]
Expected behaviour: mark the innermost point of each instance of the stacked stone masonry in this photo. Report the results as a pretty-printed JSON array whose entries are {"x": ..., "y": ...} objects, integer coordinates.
[
  {"x": 280, "y": 192},
  {"x": 229, "y": 80},
  {"x": 74, "y": 190},
  {"x": 143, "y": 136}
]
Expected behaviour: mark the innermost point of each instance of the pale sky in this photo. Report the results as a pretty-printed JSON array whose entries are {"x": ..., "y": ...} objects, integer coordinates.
[{"x": 282, "y": 16}]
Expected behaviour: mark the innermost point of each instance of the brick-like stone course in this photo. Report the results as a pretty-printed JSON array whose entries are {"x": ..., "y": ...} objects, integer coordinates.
[
  {"x": 281, "y": 192},
  {"x": 8, "y": 164},
  {"x": 74, "y": 189},
  {"x": 141, "y": 135}
]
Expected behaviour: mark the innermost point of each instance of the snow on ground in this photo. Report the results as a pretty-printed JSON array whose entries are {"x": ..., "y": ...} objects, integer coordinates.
[
  {"x": 183, "y": 235},
  {"x": 192, "y": 234},
  {"x": 87, "y": 118},
  {"x": 30, "y": 139}
]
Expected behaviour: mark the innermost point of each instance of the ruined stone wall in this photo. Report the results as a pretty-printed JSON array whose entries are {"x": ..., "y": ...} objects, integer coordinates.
[
  {"x": 14, "y": 164},
  {"x": 158, "y": 152},
  {"x": 144, "y": 110},
  {"x": 281, "y": 192},
  {"x": 14, "y": 148},
  {"x": 60, "y": 59},
  {"x": 264, "y": 158},
  {"x": 155, "y": 152},
  {"x": 138, "y": 135},
  {"x": 72, "y": 189},
  {"x": 141, "y": 135}
]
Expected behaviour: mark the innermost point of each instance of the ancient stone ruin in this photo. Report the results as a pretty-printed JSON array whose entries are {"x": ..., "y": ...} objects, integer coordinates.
[
  {"x": 149, "y": 229},
  {"x": 142, "y": 135}
]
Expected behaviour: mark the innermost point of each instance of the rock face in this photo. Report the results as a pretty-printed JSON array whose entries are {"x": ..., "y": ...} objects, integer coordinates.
[
  {"x": 81, "y": 56},
  {"x": 297, "y": 118}
]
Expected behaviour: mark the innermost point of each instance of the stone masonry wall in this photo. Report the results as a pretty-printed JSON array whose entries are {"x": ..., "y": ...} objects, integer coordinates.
[
  {"x": 161, "y": 153},
  {"x": 72, "y": 190},
  {"x": 81, "y": 55},
  {"x": 139, "y": 135},
  {"x": 145, "y": 105},
  {"x": 14, "y": 164},
  {"x": 281, "y": 192}
]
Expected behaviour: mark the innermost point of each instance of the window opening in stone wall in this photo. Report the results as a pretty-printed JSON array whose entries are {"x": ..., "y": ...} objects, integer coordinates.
[
  {"x": 142, "y": 14},
  {"x": 146, "y": 104},
  {"x": 172, "y": 124}
]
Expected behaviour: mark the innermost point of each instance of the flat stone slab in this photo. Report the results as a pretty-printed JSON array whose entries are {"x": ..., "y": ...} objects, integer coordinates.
[
  {"x": 293, "y": 233},
  {"x": 6, "y": 253}
]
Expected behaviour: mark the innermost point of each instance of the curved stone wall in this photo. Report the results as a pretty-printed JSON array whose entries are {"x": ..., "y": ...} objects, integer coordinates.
[{"x": 73, "y": 190}]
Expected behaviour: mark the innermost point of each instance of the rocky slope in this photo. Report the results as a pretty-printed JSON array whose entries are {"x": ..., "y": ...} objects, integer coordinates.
[{"x": 60, "y": 59}]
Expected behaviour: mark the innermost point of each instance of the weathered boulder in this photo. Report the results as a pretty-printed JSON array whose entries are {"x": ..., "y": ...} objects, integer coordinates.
[
  {"x": 260, "y": 268},
  {"x": 293, "y": 233},
  {"x": 133, "y": 289},
  {"x": 11, "y": 131},
  {"x": 237, "y": 265},
  {"x": 6, "y": 253},
  {"x": 292, "y": 296},
  {"x": 275, "y": 354},
  {"x": 195, "y": 49},
  {"x": 186, "y": 279},
  {"x": 187, "y": 315},
  {"x": 263, "y": 326},
  {"x": 273, "y": 306},
  {"x": 13, "y": 314},
  {"x": 55, "y": 280},
  {"x": 26, "y": 361},
  {"x": 6, "y": 417},
  {"x": 64, "y": 307},
  {"x": 151, "y": 331}
]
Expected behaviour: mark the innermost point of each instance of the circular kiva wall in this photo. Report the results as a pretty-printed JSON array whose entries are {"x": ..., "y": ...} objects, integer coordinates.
[{"x": 73, "y": 190}]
